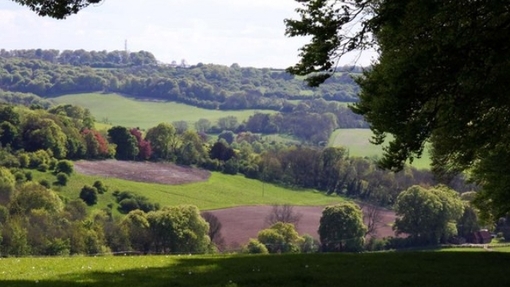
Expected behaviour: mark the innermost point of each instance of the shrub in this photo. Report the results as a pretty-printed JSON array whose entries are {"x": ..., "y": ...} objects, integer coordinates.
[
  {"x": 28, "y": 175},
  {"x": 100, "y": 186},
  {"x": 255, "y": 247},
  {"x": 65, "y": 166},
  {"x": 89, "y": 195},
  {"x": 24, "y": 160},
  {"x": 45, "y": 183},
  {"x": 62, "y": 178},
  {"x": 43, "y": 167}
]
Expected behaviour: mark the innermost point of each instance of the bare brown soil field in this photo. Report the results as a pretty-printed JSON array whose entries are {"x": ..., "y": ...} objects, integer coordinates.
[
  {"x": 239, "y": 224},
  {"x": 164, "y": 173}
]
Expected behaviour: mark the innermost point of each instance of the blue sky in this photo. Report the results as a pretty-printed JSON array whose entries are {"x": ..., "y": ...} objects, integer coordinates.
[{"x": 250, "y": 33}]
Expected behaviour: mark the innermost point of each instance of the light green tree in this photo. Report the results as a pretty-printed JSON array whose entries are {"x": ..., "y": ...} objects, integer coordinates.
[
  {"x": 164, "y": 141},
  {"x": 280, "y": 238},
  {"x": 428, "y": 215}
]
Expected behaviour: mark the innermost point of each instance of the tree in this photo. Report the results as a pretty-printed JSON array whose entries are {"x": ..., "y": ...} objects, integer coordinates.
[
  {"x": 164, "y": 141},
  {"x": 58, "y": 9},
  {"x": 127, "y": 146},
  {"x": 178, "y": 229},
  {"x": 64, "y": 166},
  {"x": 31, "y": 196},
  {"x": 214, "y": 229},
  {"x": 280, "y": 238},
  {"x": 89, "y": 194},
  {"x": 341, "y": 228},
  {"x": 283, "y": 213},
  {"x": 440, "y": 78},
  {"x": 428, "y": 215}
]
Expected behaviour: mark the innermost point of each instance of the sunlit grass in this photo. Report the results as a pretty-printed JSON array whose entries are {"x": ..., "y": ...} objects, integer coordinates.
[
  {"x": 115, "y": 109},
  {"x": 219, "y": 191},
  {"x": 358, "y": 144}
]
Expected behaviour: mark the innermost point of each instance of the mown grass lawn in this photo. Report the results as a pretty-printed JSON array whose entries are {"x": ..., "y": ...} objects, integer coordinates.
[
  {"x": 220, "y": 191},
  {"x": 395, "y": 269},
  {"x": 118, "y": 110}
]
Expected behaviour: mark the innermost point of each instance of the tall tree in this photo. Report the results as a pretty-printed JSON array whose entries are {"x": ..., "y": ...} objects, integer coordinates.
[
  {"x": 341, "y": 228},
  {"x": 428, "y": 215},
  {"x": 441, "y": 76},
  {"x": 127, "y": 146},
  {"x": 164, "y": 141}
]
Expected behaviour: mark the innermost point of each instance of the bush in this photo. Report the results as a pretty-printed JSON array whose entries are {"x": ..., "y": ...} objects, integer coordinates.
[
  {"x": 43, "y": 167},
  {"x": 100, "y": 186},
  {"x": 45, "y": 183},
  {"x": 62, "y": 178},
  {"x": 20, "y": 176},
  {"x": 89, "y": 195},
  {"x": 28, "y": 175},
  {"x": 24, "y": 160},
  {"x": 255, "y": 247},
  {"x": 65, "y": 166}
]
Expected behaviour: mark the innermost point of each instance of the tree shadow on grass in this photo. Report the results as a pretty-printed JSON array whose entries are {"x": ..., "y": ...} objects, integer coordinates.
[{"x": 369, "y": 269}]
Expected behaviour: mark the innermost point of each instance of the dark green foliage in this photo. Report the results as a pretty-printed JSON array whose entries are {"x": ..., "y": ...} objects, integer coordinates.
[
  {"x": 228, "y": 136},
  {"x": 441, "y": 78},
  {"x": 129, "y": 201},
  {"x": 100, "y": 186},
  {"x": 231, "y": 166},
  {"x": 46, "y": 183},
  {"x": 127, "y": 146},
  {"x": 341, "y": 228},
  {"x": 62, "y": 178},
  {"x": 221, "y": 151},
  {"x": 64, "y": 166},
  {"x": 43, "y": 167},
  {"x": 89, "y": 195}
]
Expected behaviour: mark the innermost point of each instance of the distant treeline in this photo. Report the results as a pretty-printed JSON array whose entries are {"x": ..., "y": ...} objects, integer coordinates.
[{"x": 50, "y": 73}]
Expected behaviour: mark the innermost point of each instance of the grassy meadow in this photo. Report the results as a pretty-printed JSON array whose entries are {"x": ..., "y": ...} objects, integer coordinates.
[
  {"x": 118, "y": 110},
  {"x": 393, "y": 269},
  {"x": 220, "y": 191},
  {"x": 357, "y": 142}
]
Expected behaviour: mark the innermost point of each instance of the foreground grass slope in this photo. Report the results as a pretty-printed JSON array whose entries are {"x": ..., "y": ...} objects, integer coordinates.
[
  {"x": 220, "y": 191},
  {"x": 370, "y": 269},
  {"x": 119, "y": 110},
  {"x": 358, "y": 144}
]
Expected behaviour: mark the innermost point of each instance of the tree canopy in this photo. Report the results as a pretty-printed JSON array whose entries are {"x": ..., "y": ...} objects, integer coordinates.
[
  {"x": 58, "y": 9},
  {"x": 441, "y": 76}
]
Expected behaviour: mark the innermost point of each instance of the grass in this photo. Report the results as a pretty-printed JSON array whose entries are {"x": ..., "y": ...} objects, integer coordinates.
[
  {"x": 357, "y": 142},
  {"x": 220, "y": 191},
  {"x": 362, "y": 270},
  {"x": 115, "y": 109}
]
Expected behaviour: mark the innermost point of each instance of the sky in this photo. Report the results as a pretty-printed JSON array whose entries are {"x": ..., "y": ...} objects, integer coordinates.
[{"x": 247, "y": 32}]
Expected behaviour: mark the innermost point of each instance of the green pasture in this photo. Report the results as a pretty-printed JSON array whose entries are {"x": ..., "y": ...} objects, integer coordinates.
[
  {"x": 118, "y": 110},
  {"x": 220, "y": 191},
  {"x": 395, "y": 269},
  {"x": 358, "y": 144}
]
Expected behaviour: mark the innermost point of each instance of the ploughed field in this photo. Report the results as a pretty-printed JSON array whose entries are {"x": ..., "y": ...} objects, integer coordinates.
[{"x": 239, "y": 223}]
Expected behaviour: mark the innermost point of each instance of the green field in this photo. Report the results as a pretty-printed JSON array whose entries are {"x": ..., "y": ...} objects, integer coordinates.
[
  {"x": 437, "y": 269},
  {"x": 119, "y": 110},
  {"x": 220, "y": 191},
  {"x": 358, "y": 144}
]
